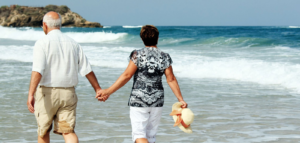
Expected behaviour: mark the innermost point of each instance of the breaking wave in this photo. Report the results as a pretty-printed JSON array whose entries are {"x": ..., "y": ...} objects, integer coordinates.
[{"x": 82, "y": 37}]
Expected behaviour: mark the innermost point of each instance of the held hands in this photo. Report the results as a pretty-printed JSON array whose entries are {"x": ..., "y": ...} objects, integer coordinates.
[{"x": 102, "y": 95}]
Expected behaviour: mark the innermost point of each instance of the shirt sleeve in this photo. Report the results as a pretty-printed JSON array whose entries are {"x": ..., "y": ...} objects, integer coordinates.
[
  {"x": 39, "y": 58},
  {"x": 84, "y": 66},
  {"x": 133, "y": 57},
  {"x": 167, "y": 61}
]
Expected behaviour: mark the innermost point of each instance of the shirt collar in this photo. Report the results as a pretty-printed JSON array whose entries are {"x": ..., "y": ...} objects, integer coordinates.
[
  {"x": 151, "y": 47},
  {"x": 54, "y": 31}
]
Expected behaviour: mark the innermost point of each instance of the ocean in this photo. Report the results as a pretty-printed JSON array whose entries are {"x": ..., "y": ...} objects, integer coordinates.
[{"x": 242, "y": 83}]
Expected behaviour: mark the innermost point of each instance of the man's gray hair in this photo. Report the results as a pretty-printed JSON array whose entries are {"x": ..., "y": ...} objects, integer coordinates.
[{"x": 52, "y": 23}]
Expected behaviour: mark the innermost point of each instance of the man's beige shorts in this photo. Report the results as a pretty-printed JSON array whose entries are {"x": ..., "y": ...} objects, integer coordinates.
[{"x": 58, "y": 104}]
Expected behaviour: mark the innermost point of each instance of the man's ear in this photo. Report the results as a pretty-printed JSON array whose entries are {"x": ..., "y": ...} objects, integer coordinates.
[
  {"x": 45, "y": 28},
  {"x": 45, "y": 25}
]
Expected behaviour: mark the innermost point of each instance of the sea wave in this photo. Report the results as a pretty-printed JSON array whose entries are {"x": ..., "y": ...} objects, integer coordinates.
[
  {"x": 95, "y": 37},
  {"x": 188, "y": 65},
  {"x": 217, "y": 42},
  {"x": 294, "y": 26},
  {"x": 118, "y": 55},
  {"x": 172, "y": 41},
  {"x": 18, "y": 53},
  {"x": 127, "y": 26},
  {"x": 82, "y": 37},
  {"x": 237, "y": 42},
  {"x": 280, "y": 74}
]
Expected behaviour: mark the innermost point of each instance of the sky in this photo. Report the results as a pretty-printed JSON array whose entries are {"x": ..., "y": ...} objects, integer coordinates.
[{"x": 180, "y": 12}]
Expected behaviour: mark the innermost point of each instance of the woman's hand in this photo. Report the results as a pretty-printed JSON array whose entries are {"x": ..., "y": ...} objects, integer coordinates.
[{"x": 184, "y": 104}]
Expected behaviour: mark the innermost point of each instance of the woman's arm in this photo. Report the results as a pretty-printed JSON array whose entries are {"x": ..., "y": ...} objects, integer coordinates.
[
  {"x": 172, "y": 81},
  {"x": 121, "y": 81}
]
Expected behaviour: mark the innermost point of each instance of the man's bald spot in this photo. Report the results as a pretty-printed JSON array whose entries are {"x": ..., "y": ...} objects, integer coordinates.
[
  {"x": 52, "y": 21},
  {"x": 53, "y": 15}
]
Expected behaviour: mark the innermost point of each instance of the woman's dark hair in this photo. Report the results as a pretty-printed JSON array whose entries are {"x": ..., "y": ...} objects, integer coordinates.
[{"x": 149, "y": 35}]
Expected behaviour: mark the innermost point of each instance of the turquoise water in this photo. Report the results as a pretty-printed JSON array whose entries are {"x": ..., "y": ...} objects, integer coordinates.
[{"x": 242, "y": 83}]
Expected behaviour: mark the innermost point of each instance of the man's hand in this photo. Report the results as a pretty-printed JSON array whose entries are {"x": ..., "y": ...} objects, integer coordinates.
[
  {"x": 30, "y": 103},
  {"x": 184, "y": 104},
  {"x": 102, "y": 95},
  {"x": 35, "y": 80},
  {"x": 98, "y": 94}
]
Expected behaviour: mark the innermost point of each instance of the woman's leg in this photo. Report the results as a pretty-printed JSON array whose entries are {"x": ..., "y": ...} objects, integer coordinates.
[
  {"x": 153, "y": 123},
  {"x": 139, "y": 117},
  {"x": 141, "y": 140}
]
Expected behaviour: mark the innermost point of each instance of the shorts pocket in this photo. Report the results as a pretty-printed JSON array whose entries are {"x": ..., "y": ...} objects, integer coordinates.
[
  {"x": 38, "y": 96},
  {"x": 71, "y": 99}
]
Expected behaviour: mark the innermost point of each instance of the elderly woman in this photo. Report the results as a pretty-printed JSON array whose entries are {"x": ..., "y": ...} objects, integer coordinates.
[{"x": 148, "y": 65}]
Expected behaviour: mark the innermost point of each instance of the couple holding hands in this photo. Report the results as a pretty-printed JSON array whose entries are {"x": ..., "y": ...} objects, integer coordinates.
[{"x": 57, "y": 60}]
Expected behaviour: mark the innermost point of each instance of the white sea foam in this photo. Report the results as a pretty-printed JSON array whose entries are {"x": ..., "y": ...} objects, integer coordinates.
[
  {"x": 18, "y": 53},
  {"x": 127, "y": 26},
  {"x": 285, "y": 75},
  {"x": 113, "y": 57},
  {"x": 81, "y": 37},
  {"x": 167, "y": 41},
  {"x": 95, "y": 37},
  {"x": 279, "y": 74},
  {"x": 282, "y": 48},
  {"x": 294, "y": 26},
  {"x": 106, "y": 26}
]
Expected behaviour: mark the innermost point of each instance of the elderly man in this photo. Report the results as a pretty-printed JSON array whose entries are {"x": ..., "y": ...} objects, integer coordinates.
[{"x": 57, "y": 60}]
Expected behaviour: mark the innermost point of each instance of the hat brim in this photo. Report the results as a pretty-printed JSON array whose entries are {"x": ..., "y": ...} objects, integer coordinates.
[{"x": 177, "y": 106}]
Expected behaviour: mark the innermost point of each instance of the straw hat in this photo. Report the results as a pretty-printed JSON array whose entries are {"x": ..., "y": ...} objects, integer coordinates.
[{"x": 182, "y": 117}]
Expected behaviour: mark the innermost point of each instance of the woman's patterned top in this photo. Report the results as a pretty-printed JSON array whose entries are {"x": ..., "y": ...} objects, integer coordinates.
[{"x": 147, "y": 90}]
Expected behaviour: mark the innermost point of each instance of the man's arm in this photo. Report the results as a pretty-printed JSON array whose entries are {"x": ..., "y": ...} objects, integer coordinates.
[
  {"x": 93, "y": 80},
  {"x": 172, "y": 81},
  {"x": 35, "y": 80},
  {"x": 38, "y": 66},
  {"x": 84, "y": 68}
]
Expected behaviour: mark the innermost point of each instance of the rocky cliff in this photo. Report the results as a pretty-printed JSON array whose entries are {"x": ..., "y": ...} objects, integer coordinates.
[{"x": 20, "y": 16}]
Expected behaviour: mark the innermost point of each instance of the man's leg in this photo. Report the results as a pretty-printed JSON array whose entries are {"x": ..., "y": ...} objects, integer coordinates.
[
  {"x": 141, "y": 140},
  {"x": 70, "y": 138},
  {"x": 64, "y": 122},
  {"x": 44, "y": 112},
  {"x": 45, "y": 139}
]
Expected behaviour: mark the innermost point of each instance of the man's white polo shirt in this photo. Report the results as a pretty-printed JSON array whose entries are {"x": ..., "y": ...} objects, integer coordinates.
[{"x": 59, "y": 59}]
